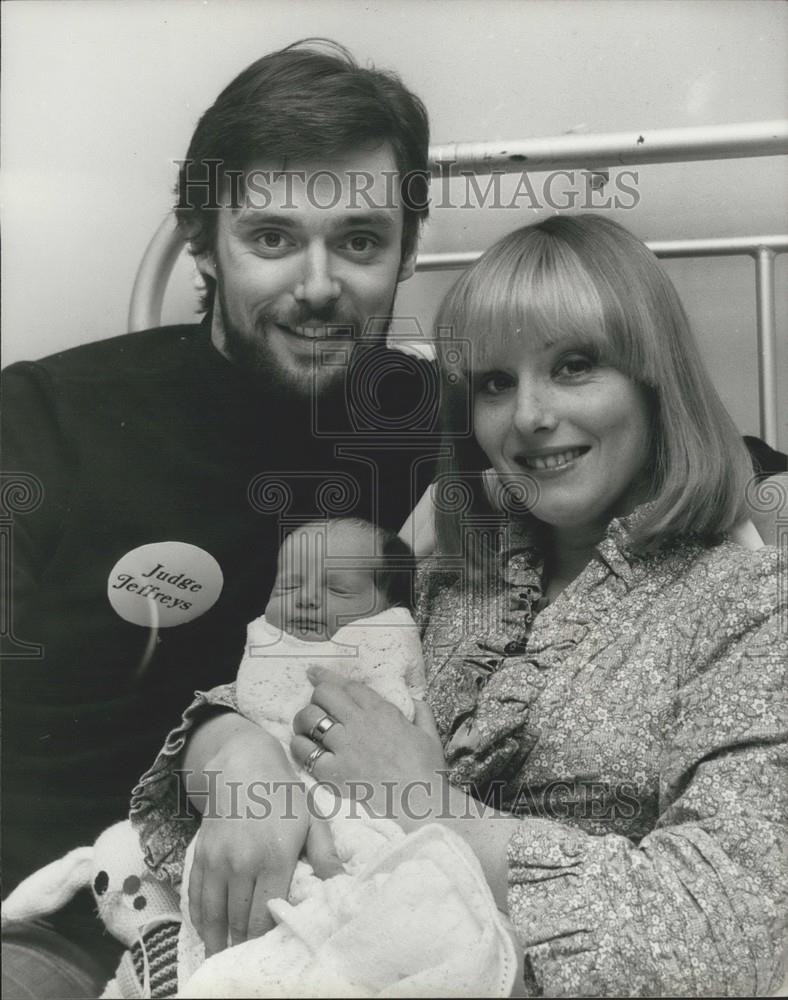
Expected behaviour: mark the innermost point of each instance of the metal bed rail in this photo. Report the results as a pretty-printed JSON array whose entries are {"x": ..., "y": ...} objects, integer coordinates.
[{"x": 614, "y": 149}]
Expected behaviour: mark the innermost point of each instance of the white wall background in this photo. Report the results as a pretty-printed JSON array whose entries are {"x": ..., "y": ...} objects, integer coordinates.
[{"x": 100, "y": 96}]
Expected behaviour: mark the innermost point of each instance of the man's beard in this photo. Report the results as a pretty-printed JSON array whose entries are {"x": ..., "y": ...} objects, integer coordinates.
[
  {"x": 254, "y": 355},
  {"x": 297, "y": 392}
]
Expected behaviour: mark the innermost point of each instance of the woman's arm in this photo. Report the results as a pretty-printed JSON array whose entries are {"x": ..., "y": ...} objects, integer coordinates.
[
  {"x": 485, "y": 830},
  {"x": 698, "y": 906}
]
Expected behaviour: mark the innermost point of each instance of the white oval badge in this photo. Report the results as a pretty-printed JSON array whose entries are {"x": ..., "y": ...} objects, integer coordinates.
[{"x": 164, "y": 584}]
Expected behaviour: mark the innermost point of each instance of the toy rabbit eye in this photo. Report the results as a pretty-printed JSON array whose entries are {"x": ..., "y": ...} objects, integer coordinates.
[
  {"x": 101, "y": 883},
  {"x": 131, "y": 885}
]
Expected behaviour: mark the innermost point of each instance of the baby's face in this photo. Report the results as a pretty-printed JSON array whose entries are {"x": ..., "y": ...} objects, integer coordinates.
[{"x": 321, "y": 583}]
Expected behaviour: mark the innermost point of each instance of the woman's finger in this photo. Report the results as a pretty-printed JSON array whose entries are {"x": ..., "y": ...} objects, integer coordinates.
[
  {"x": 339, "y": 700},
  {"x": 334, "y": 700},
  {"x": 213, "y": 904},
  {"x": 304, "y": 723},
  {"x": 240, "y": 890},
  {"x": 362, "y": 694},
  {"x": 301, "y": 747},
  {"x": 323, "y": 675}
]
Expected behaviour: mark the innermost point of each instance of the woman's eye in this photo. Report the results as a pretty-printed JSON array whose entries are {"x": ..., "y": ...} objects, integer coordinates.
[
  {"x": 495, "y": 382},
  {"x": 574, "y": 366}
]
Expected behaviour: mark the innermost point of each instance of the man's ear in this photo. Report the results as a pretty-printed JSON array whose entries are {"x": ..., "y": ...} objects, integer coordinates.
[
  {"x": 407, "y": 265},
  {"x": 190, "y": 231},
  {"x": 205, "y": 264}
]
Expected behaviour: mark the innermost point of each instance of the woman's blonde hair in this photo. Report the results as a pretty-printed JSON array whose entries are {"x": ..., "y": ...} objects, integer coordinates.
[{"x": 587, "y": 277}]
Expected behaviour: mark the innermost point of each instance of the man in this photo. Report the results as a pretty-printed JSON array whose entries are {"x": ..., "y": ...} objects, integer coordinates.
[{"x": 164, "y": 465}]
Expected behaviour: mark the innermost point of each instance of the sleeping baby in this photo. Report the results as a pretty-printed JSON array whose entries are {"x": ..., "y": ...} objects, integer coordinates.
[
  {"x": 412, "y": 911},
  {"x": 340, "y": 600}
]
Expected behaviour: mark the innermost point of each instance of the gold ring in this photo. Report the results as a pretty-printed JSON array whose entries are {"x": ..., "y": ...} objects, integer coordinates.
[
  {"x": 321, "y": 727},
  {"x": 312, "y": 759}
]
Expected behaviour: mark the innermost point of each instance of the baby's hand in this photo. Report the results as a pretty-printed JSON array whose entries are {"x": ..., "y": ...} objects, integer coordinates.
[{"x": 252, "y": 834}]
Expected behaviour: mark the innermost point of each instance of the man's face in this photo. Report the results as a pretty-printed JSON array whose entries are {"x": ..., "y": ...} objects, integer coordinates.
[{"x": 313, "y": 254}]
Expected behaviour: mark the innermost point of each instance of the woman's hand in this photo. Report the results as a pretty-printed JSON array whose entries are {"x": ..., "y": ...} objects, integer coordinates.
[
  {"x": 373, "y": 754},
  {"x": 372, "y": 743},
  {"x": 255, "y": 827}
]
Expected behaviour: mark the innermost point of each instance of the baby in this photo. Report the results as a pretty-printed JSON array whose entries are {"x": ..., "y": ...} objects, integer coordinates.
[
  {"x": 340, "y": 600},
  {"x": 410, "y": 916}
]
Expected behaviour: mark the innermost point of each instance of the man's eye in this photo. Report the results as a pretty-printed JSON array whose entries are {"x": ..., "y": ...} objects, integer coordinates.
[
  {"x": 270, "y": 239},
  {"x": 495, "y": 382},
  {"x": 361, "y": 244}
]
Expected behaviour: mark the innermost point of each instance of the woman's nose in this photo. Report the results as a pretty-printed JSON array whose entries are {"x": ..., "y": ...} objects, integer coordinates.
[
  {"x": 534, "y": 409},
  {"x": 318, "y": 288}
]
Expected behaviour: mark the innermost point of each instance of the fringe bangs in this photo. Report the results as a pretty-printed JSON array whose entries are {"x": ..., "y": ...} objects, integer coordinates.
[{"x": 540, "y": 292}]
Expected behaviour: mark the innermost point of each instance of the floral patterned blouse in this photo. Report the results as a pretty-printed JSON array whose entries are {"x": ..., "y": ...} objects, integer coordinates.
[{"x": 636, "y": 726}]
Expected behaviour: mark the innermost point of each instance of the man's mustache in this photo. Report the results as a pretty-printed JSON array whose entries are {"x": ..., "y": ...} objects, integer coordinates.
[{"x": 339, "y": 323}]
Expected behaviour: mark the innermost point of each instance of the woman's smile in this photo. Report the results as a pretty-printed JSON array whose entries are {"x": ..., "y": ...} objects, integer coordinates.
[{"x": 552, "y": 460}]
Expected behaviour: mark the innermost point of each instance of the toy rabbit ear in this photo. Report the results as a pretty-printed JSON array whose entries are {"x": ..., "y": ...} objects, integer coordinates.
[{"x": 51, "y": 887}]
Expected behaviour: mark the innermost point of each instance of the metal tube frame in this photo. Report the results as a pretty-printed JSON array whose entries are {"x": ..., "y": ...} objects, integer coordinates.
[
  {"x": 612, "y": 149},
  {"x": 767, "y": 343}
]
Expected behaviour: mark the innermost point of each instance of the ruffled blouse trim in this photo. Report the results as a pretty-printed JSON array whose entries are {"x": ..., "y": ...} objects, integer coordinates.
[{"x": 159, "y": 809}]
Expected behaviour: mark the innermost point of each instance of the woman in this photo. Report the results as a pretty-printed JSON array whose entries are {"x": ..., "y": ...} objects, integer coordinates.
[{"x": 604, "y": 668}]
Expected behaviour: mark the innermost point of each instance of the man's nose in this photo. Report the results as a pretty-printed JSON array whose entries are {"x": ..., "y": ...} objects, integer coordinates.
[
  {"x": 535, "y": 408},
  {"x": 318, "y": 287}
]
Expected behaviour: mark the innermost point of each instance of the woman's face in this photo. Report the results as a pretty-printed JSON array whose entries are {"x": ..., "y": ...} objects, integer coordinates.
[{"x": 577, "y": 428}]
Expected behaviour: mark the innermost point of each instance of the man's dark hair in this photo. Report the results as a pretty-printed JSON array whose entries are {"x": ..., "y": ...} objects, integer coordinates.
[{"x": 310, "y": 99}]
